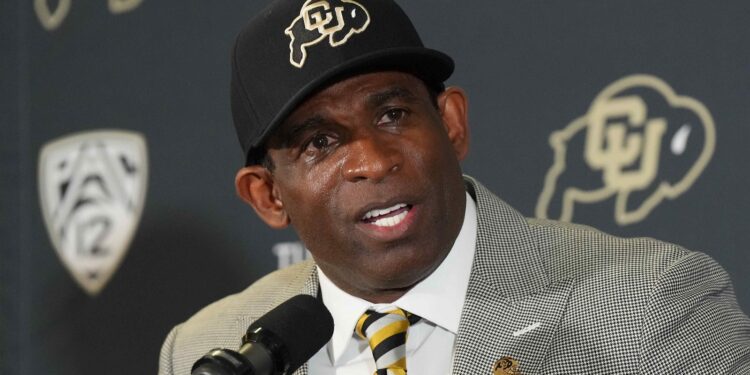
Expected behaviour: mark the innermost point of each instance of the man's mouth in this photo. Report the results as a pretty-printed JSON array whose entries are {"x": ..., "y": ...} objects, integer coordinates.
[{"x": 387, "y": 217}]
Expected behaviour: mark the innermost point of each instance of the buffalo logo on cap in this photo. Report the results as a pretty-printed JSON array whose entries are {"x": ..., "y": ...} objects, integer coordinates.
[{"x": 336, "y": 19}]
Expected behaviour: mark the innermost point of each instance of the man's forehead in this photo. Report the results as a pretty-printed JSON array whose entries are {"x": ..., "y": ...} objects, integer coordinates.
[{"x": 373, "y": 89}]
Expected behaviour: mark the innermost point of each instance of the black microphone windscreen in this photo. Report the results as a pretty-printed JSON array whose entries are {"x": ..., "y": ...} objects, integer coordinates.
[{"x": 303, "y": 325}]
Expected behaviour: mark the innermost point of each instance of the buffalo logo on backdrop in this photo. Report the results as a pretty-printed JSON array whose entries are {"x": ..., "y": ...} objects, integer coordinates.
[
  {"x": 639, "y": 143},
  {"x": 92, "y": 188},
  {"x": 52, "y": 19},
  {"x": 336, "y": 20}
]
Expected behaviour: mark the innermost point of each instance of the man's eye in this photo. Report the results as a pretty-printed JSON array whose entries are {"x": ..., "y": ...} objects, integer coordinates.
[
  {"x": 392, "y": 116},
  {"x": 320, "y": 142}
]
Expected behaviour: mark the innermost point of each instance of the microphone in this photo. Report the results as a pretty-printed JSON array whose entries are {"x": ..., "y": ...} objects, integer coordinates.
[{"x": 278, "y": 343}]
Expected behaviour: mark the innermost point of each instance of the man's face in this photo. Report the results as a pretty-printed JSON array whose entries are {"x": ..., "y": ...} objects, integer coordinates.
[{"x": 367, "y": 172}]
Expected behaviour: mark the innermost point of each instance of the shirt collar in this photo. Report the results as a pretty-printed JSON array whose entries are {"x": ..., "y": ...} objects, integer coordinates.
[{"x": 439, "y": 298}]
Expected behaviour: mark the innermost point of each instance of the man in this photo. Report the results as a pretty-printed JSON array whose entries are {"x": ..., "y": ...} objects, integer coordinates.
[{"x": 352, "y": 140}]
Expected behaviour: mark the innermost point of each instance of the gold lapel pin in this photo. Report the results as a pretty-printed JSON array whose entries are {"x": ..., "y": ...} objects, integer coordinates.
[{"x": 506, "y": 366}]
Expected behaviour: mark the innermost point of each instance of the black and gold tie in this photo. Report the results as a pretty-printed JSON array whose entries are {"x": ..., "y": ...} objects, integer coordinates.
[{"x": 386, "y": 333}]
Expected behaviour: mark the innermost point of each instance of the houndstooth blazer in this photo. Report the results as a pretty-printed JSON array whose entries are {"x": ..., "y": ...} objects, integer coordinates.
[{"x": 558, "y": 298}]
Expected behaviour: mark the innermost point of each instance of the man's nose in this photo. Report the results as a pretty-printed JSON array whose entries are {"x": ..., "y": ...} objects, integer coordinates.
[{"x": 371, "y": 157}]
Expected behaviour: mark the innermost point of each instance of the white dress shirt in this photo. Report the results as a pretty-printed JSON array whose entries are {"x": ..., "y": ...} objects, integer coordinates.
[{"x": 438, "y": 300}]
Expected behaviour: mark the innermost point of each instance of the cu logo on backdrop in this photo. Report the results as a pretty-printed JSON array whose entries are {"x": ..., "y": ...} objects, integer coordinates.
[
  {"x": 336, "y": 20},
  {"x": 640, "y": 143}
]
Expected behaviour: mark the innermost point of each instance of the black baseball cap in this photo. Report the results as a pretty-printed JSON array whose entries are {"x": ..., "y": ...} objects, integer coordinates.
[{"x": 294, "y": 48}]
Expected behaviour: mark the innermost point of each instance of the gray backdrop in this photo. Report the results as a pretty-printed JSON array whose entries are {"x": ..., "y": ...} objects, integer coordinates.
[{"x": 530, "y": 68}]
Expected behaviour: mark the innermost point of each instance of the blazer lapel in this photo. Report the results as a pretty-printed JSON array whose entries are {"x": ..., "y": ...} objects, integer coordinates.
[{"x": 511, "y": 307}]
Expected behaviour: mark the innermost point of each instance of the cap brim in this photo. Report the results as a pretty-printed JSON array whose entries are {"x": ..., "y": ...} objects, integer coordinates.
[{"x": 432, "y": 66}]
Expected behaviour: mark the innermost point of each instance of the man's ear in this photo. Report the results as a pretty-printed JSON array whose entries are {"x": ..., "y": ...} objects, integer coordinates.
[
  {"x": 255, "y": 185},
  {"x": 454, "y": 111}
]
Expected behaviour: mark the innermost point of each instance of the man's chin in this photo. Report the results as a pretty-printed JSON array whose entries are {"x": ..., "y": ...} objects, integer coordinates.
[
  {"x": 398, "y": 283},
  {"x": 387, "y": 293}
]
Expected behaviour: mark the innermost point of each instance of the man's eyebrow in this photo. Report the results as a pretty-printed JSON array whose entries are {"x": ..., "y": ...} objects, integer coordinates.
[
  {"x": 379, "y": 98},
  {"x": 293, "y": 131}
]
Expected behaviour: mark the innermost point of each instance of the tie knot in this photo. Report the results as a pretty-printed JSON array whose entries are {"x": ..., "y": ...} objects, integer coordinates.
[
  {"x": 386, "y": 334},
  {"x": 373, "y": 322}
]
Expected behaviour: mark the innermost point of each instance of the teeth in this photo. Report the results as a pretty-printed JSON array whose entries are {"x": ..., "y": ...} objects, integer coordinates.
[
  {"x": 390, "y": 221},
  {"x": 376, "y": 213}
]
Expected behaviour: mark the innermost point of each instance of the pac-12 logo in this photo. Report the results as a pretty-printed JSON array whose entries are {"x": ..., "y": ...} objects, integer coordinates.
[
  {"x": 639, "y": 143},
  {"x": 336, "y": 20},
  {"x": 92, "y": 188}
]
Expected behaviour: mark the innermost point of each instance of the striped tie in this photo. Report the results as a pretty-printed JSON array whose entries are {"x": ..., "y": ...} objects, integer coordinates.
[{"x": 386, "y": 333}]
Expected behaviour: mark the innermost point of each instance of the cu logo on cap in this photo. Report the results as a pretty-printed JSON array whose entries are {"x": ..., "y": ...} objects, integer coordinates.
[{"x": 336, "y": 20}]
